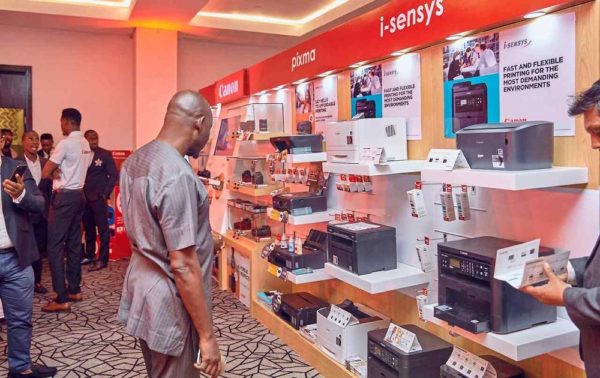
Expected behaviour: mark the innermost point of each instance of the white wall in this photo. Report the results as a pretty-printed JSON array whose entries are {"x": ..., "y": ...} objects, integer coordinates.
[
  {"x": 89, "y": 71},
  {"x": 202, "y": 63}
]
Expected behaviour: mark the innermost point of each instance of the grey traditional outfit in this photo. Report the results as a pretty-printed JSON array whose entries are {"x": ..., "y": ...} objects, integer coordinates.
[{"x": 165, "y": 208}]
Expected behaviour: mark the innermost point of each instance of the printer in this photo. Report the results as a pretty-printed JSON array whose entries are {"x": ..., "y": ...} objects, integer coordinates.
[
  {"x": 298, "y": 309},
  {"x": 300, "y": 203},
  {"x": 298, "y": 144},
  {"x": 367, "y": 108},
  {"x": 387, "y": 361},
  {"x": 362, "y": 247},
  {"x": 342, "y": 341},
  {"x": 469, "y": 104},
  {"x": 314, "y": 253},
  {"x": 508, "y": 146},
  {"x": 346, "y": 139},
  {"x": 471, "y": 298},
  {"x": 503, "y": 369}
]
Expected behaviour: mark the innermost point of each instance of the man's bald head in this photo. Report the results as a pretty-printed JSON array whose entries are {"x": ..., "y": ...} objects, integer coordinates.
[{"x": 187, "y": 122}]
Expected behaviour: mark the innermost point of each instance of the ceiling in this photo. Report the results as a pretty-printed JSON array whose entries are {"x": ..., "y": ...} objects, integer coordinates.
[{"x": 274, "y": 23}]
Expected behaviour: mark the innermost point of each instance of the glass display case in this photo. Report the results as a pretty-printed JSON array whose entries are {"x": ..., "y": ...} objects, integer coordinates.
[
  {"x": 258, "y": 121},
  {"x": 250, "y": 176}
]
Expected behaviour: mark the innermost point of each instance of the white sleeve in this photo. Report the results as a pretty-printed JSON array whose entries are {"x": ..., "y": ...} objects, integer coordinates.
[{"x": 59, "y": 153}]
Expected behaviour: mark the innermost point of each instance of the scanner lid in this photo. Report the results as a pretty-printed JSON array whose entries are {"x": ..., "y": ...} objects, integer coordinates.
[
  {"x": 433, "y": 347},
  {"x": 502, "y": 127}
]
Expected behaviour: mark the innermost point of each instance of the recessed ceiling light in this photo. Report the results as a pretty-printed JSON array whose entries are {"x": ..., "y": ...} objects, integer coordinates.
[
  {"x": 398, "y": 53},
  {"x": 534, "y": 14},
  {"x": 300, "y": 81},
  {"x": 356, "y": 65},
  {"x": 279, "y": 88},
  {"x": 275, "y": 20},
  {"x": 454, "y": 37},
  {"x": 261, "y": 93},
  {"x": 325, "y": 74},
  {"x": 104, "y": 3}
]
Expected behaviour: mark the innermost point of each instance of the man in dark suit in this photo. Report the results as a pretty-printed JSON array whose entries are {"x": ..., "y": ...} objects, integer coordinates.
[
  {"x": 100, "y": 181},
  {"x": 31, "y": 143},
  {"x": 47, "y": 142},
  {"x": 18, "y": 251},
  {"x": 582, "y": 301}
]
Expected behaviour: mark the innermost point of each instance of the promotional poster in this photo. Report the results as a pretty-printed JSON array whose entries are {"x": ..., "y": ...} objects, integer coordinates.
[
  {"x": 326, "y": 105},
  {"x": 305, "y": 105},
  {"x": 366, "y": 89}
]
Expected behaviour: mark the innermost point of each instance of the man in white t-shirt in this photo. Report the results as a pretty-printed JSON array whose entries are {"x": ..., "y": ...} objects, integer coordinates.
[{"x": 68, "y": 167}]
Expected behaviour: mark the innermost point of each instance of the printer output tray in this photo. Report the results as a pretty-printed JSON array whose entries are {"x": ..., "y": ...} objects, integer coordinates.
[{"x": 463, "y": 318}]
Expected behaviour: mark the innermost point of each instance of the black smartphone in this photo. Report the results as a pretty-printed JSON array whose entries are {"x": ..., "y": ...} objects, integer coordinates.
[{"x": 19, "y": 170}]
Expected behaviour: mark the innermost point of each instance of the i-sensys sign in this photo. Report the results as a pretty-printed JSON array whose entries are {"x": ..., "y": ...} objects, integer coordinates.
[{"x": 414, "y": 16}]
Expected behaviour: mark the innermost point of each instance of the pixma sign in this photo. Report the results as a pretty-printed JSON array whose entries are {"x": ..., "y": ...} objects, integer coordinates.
[{"x": 231, "y": 88}]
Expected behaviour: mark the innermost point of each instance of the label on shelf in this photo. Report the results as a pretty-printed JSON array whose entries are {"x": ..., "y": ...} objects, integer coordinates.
[
  {"x": 470, "y": 365},
  {"x": 446, "y": 159}
]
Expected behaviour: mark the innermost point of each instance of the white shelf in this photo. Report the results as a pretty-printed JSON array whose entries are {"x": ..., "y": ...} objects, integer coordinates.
[
  {"x": 519, "y": 345},
  {"x": 315, "y": 157},
  {"x": 509, "y": 180},
  {"x": 298, "y": 220},
  {"x": 316, "y": 276},
  {"x": 380, "y": 282},
  {"x": 391, "y": 168}
]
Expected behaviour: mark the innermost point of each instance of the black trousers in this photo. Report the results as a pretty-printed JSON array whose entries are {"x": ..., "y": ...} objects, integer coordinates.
[
  {"x": 95, "y": 216},
  {"x": 64, "y": 234},
  {"x": 40, "y": 230}
]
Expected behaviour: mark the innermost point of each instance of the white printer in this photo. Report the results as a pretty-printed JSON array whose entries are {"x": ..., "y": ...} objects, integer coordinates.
[
  {"x": 342, "y": 330},
  {"x": 345, "y": 139}
]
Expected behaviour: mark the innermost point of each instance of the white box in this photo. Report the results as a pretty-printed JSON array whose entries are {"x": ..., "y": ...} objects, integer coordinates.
[
  {"x": 344, "y": 342},
  {"x": 344, "y": 140}
]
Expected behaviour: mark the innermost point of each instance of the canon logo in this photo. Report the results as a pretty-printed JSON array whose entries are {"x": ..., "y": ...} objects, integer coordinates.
[
  {"x": 301, "y": 59},
  {"x": 228, "y": 89}
]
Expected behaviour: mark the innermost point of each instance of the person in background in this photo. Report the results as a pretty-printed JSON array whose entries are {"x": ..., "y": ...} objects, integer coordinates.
[
  {"x": 454, "y": 68},
  {"x": 47, "y": 141},
  {"x": 68, "y": 166},
  {"x": 487, "y": 58},
  {"x": 18, "y": 251},
  {"x": 31, "y": 143},
  {"x": 7, "y": 150},
  {"x": 100, "y": 181},
  {"x": 165, "y": 209},
  {"x": 582, "y": 301}
]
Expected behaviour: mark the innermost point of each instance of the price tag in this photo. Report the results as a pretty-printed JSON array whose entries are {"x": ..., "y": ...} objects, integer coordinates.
[
  {"x": 339, "y": 316},
  {"x": 470, "y": 365},
  {"x": 402, "y": 339},
  {"x": 275, "y": 215},
  {"x": 446, "y": 160}
]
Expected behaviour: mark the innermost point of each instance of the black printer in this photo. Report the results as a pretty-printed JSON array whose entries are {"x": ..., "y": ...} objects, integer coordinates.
[
  {"x": 299, "y": 144},
  {"x": 314, "y": 253},
  {"x": 387, "y": 361},
  {"x": 300, "y": 203},
  {"x": 508, "y": 146},
  {"x": 298, "y": 309},
  {"x": 469, "y": 104},
  {"x": 362, "y": 247},
  {"x": 503, "y": 369},
  {"x": 470, "y": 297}
]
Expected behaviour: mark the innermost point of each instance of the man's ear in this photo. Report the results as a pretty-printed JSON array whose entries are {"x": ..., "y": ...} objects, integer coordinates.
[{"x": 199, "y": 122}]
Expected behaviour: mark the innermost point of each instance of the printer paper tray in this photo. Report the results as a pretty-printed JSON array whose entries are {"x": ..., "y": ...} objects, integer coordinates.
[{"x": 465, "y": 319}]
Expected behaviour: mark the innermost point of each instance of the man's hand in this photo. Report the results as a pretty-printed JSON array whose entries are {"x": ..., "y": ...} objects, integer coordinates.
[
  {"x": 56, "y": 174},
  {"x": 550, "y": 293},
  {"x": 211, "y": 363},
  {"x": 14, "y": 189}
]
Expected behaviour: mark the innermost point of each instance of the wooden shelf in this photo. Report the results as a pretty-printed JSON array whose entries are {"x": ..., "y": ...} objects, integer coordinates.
[
  {"x": 253, "y": 192},
  {"x": 509, "y": 180},
  {"x": 391, "y": 168},
  {"x": 519, "y": 345},
  {"x": 243, "y": 244},
  {"x": 297, "y": 220},
  {"x": 316, "y": 276},
  {"x": 379, "y": 282},
  {"x": 315, "y": 157},
  {"x": 310, "y": 352},
  {"x": 265, "y": 136}
]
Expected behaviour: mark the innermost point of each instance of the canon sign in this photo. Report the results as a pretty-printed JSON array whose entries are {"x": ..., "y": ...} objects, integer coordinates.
[{"x": 229, "y": 89}]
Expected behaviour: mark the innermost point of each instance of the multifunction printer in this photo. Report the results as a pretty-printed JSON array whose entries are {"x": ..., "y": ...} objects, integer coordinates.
[
  {"x": 472, "y": 299},
  {"x": 314, "y": 253},
  {"x": 346, "y": 139},
  {"x": 508, "y": 146},
  {"x": 469, "y": 105},
  {"x": 298, "y": 309},
  {"x": 300, "y": 203},
  {"x": 503, "y": 369}
]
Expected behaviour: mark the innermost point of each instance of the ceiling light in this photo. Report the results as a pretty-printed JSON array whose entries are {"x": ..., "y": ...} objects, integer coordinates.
[
  {"x": 300, "y": 81},
  {"x": 279, "y": 88},
  {"x": 398, "y": 53},
  {"x": 454, "y": 37},
  {"x": 104, "y": 3},
  {"x": 275, "y": 20},
  {"x": 261, "y": 93},
  {"x": 325, "y": 74},
  {"x": 359, "y": 64},
  {"x": 535, "y": 14}
]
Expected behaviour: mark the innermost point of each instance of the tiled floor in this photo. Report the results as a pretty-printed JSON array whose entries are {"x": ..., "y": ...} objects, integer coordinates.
[{"x": 89, "y": 342}]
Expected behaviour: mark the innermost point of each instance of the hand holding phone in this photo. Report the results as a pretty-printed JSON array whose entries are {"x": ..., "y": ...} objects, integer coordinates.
[
  {"x": 15, "y": 186},
  {"x": 18, "y": 172}
]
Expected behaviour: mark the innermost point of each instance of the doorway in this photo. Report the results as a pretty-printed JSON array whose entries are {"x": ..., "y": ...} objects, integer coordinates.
[{"x": 16, "y": 101}]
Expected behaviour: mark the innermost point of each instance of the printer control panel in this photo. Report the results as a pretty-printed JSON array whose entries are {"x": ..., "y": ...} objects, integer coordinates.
[
  {"x": 466, "y": 267},
  {"x": 384, "y": 355}
]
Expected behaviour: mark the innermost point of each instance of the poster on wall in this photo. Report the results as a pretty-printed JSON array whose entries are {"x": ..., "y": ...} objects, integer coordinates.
[
  {"x": 366, "y": 89},
  {"x": 521, "y": 74},
  {"x": 402, "y": 92},
  {"x": 326, "y": 105},
  {"x": 305, "y": 116}
]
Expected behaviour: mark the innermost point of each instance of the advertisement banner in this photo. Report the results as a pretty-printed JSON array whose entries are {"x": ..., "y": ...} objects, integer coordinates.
[
  {"x": 402, "y": 92},
  {"x": 119, "y": 243},
  {"x": 521, "y": 74},
  {"x": 326, "y": 105},
  {"x": 305, "y": 105}
]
